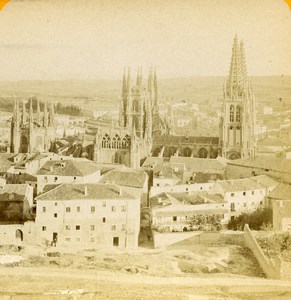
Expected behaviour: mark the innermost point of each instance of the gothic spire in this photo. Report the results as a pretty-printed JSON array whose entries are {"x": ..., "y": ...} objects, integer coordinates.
[
  {"x": 24, "y": 113},
  {"x": 45, "y": 115},
  {"x": 150, "y": 80},
  {"x": 38, "y": 111},
  {"x": 235, "y": 71},
  {"x": 124, "y": 87},
  {"x": 243, "y": 61},
  {"x": 128, "y": 80},
  {"x": 30, "y": 114},
  {"x": 155, "y": 89},
  {"x": 52, "y": 114}
]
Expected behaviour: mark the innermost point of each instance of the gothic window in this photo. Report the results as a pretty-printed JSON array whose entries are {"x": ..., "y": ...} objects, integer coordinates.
[
  {"x": 238, "y": 114},
  {"x": 106, "y": 141},
  {"x": 125, "y": 142},
  {"x": 231, "y": 113},
  {"x": 116, "y": 142}
]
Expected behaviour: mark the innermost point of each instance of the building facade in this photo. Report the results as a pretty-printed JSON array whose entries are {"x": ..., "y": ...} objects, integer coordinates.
[
  {"x": 88, "y": 216},
  {"x": 32, "y": 132}
]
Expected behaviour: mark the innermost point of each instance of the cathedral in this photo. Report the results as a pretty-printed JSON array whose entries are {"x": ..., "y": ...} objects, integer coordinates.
[
  {"x": 238, "y": 122},
  {"x": 32, "y": 133},
  {"x": 130, "y": 139}
]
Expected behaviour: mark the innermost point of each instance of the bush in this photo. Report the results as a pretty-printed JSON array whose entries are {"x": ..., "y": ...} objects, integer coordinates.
[{"x": 257, "y": 220}]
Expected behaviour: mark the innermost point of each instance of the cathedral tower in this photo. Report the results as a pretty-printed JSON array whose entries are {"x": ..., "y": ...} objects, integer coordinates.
[{"x": 238, "y": 121}]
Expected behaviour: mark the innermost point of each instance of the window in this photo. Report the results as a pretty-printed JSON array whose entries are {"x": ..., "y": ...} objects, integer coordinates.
[
  {"x": 238, "y": 114},
  {"x": 68, "y": 209},
  {"x": 44, "y": 209},
  {"x": 56, "y": 203},
  {"x": 175, "y": 218},
  {"x": 103, "y": 203},
  {"x": 158, "y": 184},
  {"x": 68, "y": 227},
  {"x": 113, "y": 208},
  {"x": 78, "y": 227},
  {"x": 261, "y": 202},
  {"x": 123, "y": 208},
  {"x": 231, "y": 113},
  {"x": 244, "y": 193},
  {"x": 78, "y": 209},
  {"x": 92, "y": 227},
  {"x": 123, "y": 227},
  {"x": 104, "y": 220},
  {"x": 245, "y": 205},
  {"x": 232, "y": 207},
  {"x": 43, "y": 228},
  {"x": 75, "y": 178},
  {"x": 232, "y": 194},
  {"x": 113, "y": 227},
  {"x": 56, "y": 179},
  {"x": 55, "y": 215},
  {"x": 253, "y": 192},
  {"x": 92, "y": 209},
  {"x": 45, "y": 178}
]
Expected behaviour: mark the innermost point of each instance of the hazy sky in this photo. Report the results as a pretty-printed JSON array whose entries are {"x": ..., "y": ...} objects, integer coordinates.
[{"x": 66, "y": 39}]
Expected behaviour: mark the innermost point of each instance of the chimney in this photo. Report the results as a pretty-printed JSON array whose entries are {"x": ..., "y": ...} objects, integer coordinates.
[
  {"x": 120, "y": 192},
  {"x": 85, "y": 190},
  {"x": 159, "y": 200}
]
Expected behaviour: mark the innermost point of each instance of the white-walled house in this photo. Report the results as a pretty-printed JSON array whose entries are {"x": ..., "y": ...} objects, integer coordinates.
[
  {"x": 176, "y": 212},
  {"x": 67, "y": 171},
  {"x": 88, "y": 216},
  {"x": 241, "y": 195}
]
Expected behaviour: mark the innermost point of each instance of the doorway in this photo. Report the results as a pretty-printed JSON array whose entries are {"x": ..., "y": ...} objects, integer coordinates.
[
  {"x": 19, "y": 235},
  {"x": 55, "y": 237},
  {"x": 116, "y": 241}
]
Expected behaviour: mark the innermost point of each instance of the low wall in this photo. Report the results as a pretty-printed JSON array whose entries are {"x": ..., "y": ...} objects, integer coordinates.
[
  {"x": 271, "y": 268},
  {"x": 17, "y": 234},
  {"x": 197, "y": 237}
]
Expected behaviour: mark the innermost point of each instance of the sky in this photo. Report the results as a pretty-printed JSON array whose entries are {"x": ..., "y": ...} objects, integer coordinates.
[{"x": 94, "y": 39}]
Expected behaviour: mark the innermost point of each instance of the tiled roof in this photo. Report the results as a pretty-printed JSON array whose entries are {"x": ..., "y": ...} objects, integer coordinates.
[
  {"x": 273, "y": 141},
  {"x": 237, "y": 185},
  {"x": 6, "y": 161},
  {"x": 272, "y": 163},
  {"x": 95, "y": 191},
  {"x": 203, "y": 165},
  {"x": 281, "y": 191},
  {"x": 265, "y": 180},
  {"x": 73, "y": 167},
  {"x": 13, "y": 192},
  {"x": 166, "y": 171},
  {"x": 125, "y": 177},
  {"x": 170, "y": 139},
  {"x": 153, "y": 161},
  {"x": 192, "y": 198}
]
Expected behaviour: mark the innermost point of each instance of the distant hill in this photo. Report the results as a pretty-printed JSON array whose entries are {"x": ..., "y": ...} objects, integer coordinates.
[{"x": 101, "y": 94}]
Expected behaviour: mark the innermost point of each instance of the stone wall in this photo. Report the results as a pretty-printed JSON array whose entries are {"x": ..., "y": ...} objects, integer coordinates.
[
  {"x": 271, "y": 268},
  {"x": 197, "y": 237}
]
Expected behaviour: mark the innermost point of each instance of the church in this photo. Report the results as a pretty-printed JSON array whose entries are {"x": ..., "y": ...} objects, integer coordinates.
[
  {"x": 32, "y": 133},
  {"x": 128, "y": 140},
  {"x": 238, "y": 121}
]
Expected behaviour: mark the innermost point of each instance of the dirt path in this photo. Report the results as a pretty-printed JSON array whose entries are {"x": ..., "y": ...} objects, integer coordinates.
[{"x": 53, "y": 283}]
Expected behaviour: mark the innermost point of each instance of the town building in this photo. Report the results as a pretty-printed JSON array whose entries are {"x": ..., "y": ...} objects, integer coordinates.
[
  {"x": 135, "y": 182},
  {"x": 282, "y": 215},
  {"x": 88, "y": 216},
  {"x": 177, "y": 212},
  {"x": 242, "y": 195},
  {"x": 16, "y": 203},
  {"x": 70, "y": 170}
]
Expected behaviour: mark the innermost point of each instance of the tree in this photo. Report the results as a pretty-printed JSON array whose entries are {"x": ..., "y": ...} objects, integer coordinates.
[{"x": 256, "y": 220}]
